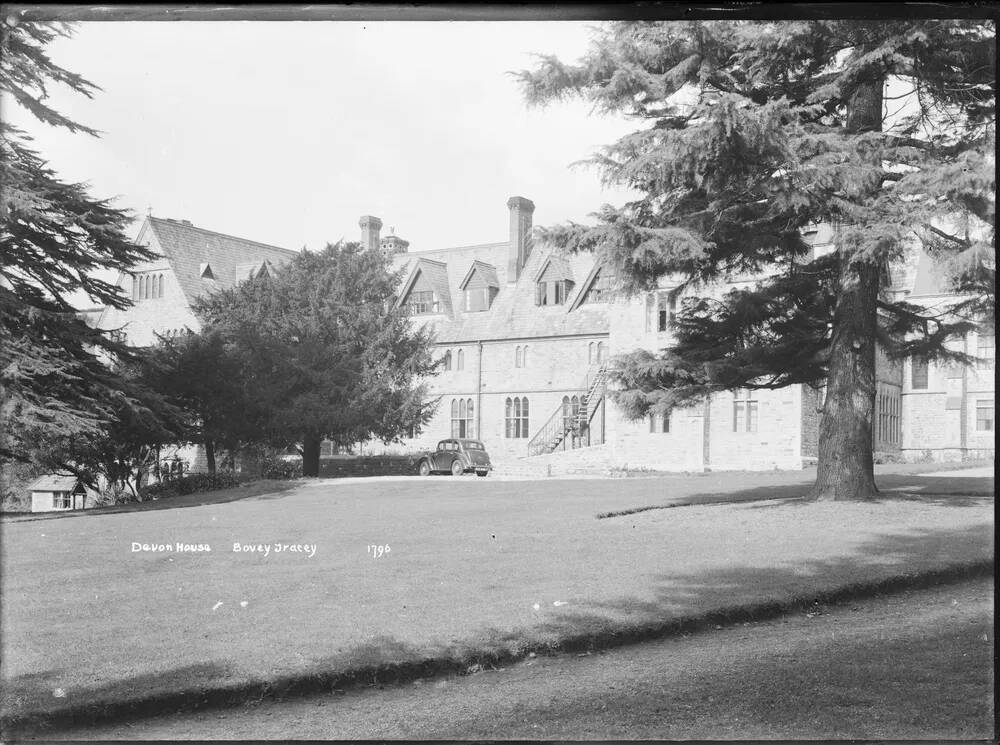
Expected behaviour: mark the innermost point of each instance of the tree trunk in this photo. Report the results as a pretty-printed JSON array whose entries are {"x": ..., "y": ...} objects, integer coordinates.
[
  {"x": 310, "y": 456},
  {"x": 845, "y": 466},
  {"x": 210, "y": 455}
]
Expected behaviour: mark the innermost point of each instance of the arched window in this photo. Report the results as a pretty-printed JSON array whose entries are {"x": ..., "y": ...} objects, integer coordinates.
[
  {"x": 600, "y": 351},
  {"x": 460, "y": 363},
  {"x": 159, "y": 285},
  {"x": 135, "y": 287},
  {"x": 567, "y": 413},
  {"x": 659, "y": 423},
  {"x": 462, "y": 417},
  {"x": 447, "y": 360},
  {"x": 524, "y": 356},
  {"x": 516, "y": 417},
  {"x": 517, "y": 357},
  {"x": 149, "y": 289},
  {"x": 590, "y": 353}
]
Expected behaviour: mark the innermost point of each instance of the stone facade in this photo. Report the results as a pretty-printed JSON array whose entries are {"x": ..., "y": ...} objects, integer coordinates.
[{"x": 525, "y": 331}]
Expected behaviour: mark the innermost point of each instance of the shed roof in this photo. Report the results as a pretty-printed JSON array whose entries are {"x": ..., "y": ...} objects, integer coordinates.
[{"x": 54, "y": 482}]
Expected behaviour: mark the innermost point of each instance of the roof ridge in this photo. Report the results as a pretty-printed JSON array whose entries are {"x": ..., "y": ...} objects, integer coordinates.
[
  {"x": 432, "y": 261},
  {"x": 460, "y": 248},
  {"x": 216, "y": 232}
]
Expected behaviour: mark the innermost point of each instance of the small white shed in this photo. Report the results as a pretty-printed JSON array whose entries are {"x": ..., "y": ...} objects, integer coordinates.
[{"x": 58, "y": 492}]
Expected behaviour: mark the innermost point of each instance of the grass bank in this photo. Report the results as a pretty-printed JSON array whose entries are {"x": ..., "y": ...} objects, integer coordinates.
[{"x": 476, "y": 571}]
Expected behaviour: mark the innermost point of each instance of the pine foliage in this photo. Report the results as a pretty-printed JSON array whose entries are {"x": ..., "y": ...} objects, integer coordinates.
[
  {"x": 55, "y": 380},
  {"x": 747, "y": 134}
]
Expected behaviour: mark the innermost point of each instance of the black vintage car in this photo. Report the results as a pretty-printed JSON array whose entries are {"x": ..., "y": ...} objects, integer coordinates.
[{"x": 456, "y": 457}]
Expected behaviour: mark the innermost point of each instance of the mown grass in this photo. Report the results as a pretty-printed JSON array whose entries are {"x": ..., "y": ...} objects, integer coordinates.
[{"x": 474, "y": 568}]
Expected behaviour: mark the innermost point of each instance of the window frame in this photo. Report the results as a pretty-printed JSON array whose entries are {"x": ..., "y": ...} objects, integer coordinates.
[
  {"x": 432, "y": 305},
  {"x": 664, "y": 424},
  {"x": 985, "y": 406},
  {"x": 986, "y": 361},
  {"x": 746, "y": 411},
  {"x": 923, "y": 365}
]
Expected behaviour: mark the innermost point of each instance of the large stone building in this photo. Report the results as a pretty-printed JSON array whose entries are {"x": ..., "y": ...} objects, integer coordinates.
[{"x": 525, "y": 334}]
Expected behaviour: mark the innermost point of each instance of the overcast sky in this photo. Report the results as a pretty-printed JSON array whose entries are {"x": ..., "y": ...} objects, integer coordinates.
[{"x": 287, "y": 132}]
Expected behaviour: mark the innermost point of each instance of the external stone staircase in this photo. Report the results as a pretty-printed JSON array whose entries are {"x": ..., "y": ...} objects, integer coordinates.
[{"x": 570, "y": 431}]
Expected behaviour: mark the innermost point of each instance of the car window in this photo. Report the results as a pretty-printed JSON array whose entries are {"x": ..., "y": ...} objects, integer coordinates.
[
  {"x": 473, "y": 445},
  {"x": 443, "y": 445}
]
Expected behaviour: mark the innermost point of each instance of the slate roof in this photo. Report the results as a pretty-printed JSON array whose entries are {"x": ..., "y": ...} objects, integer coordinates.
[
  {"x": 513, "y": 314},
  {"x": 53, "y": 482},
  {"x": 232, "y": 259},
  {"x": 558, "y": 265},
  {"x": 487, "y": 271}
]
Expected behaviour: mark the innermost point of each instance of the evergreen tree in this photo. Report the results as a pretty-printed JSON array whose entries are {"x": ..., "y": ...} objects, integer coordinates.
[
  {"x": 754, "y": 130},
  {"x": 203, "y": 374},
  {"x": 324, "y": 351},
  {"x": 55, "y": 380}
]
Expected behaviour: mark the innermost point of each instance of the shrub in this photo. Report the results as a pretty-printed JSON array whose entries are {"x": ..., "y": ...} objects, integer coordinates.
[
  {"x": 193, "y": 482},
  {"x": 276, "y": 468}
]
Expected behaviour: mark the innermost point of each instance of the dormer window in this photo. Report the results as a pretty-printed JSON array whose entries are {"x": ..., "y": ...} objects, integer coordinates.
[
  {"x": 601, "y": 289},
  {"x": 480, "y": 298},
  {"x": 422, "y": 303},
  {"x": 554, "y": 282},
  {"x": 552, "y": 293},
  {"x": 479, "y": 287}
]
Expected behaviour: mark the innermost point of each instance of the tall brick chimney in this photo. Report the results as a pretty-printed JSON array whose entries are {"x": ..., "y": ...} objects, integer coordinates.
[
  {"x": 370, "y": 229},
  {"x": 520, "y": 235}
]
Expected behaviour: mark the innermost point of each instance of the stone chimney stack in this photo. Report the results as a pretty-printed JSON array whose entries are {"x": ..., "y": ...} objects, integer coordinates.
[
  {"x": 370, "y": 229},
  {"x": 521, "y": 210}
]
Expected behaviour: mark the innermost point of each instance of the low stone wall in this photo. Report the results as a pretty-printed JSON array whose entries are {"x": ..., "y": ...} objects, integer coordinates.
[{"x": 373, "y": 465}]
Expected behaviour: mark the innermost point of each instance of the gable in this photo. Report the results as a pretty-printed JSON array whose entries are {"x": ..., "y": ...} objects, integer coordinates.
[
  {"x": 428, "y": 276},
  {"x": 596, "y": 287},
  {"x": 480, "y": 276},
  {"x": 554, "y": 269}
]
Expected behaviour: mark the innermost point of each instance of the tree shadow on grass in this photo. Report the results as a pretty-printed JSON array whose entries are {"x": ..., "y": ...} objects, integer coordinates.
[
  {"x": 680, "y": 602},
  {"x": 947, "y": 490},
  {"x": 683, "y": 602}
]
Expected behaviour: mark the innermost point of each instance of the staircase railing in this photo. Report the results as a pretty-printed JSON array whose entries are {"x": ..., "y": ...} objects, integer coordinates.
[{"x": 573, "y": 431}]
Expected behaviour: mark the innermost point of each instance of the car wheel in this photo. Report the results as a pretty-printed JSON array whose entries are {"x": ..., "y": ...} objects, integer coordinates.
[
  {"x": 425, "y": 468},
  {"x": 482, "y": 473},
  {"x": 457, "y": 469}
]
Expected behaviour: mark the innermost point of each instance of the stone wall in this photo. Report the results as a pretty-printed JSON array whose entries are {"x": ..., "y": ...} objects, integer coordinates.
[{"x": 149, "y": 316}]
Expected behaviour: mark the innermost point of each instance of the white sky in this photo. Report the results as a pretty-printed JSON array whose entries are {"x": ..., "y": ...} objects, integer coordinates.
[{"x": 287, "y": 132}]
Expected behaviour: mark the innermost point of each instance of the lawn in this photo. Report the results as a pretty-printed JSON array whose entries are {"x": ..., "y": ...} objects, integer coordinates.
[{"x": 472, "y": 564}]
